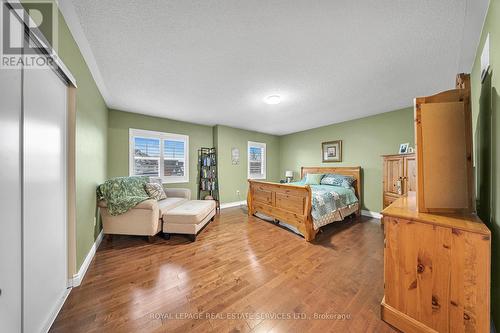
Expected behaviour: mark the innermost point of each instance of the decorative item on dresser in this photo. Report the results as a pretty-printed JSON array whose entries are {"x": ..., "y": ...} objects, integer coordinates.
[
  {"x": 400, "y": 176},
  {"x": 403, "y": 148},
  {"x": 436, "y": 270},
  {"x": 208, "y": 185}
]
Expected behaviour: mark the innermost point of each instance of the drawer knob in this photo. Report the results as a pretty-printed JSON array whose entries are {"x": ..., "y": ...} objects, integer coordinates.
[
  {"x": 435, "y": 303},
  {"x": 420, "y": 268}
]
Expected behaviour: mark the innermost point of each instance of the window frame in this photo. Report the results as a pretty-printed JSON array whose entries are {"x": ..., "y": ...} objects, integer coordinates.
[
  {"x": 261, "y": 145},
  {"x": 162, "y": 136}
]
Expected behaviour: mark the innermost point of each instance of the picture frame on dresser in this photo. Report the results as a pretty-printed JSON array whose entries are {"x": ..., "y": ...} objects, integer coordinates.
[{"x": 403, "y": 148}]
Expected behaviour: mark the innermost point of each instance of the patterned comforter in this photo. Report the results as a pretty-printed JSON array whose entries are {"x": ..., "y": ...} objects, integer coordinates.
[{"x": 331, "y": 203}]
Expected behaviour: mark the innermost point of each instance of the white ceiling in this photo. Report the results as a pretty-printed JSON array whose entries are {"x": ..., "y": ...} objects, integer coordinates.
[{"x": 213, "y": 61}]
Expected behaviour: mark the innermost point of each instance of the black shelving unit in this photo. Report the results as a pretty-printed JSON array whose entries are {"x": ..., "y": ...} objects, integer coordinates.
[{"x": 208, "y": 182}]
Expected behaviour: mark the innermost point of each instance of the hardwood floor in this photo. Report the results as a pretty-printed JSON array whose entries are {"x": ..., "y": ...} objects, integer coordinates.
[{"x": 241, "y": 275}]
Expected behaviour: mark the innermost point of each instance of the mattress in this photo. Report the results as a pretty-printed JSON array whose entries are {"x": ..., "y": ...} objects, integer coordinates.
[{"x": 331, "y": 203}]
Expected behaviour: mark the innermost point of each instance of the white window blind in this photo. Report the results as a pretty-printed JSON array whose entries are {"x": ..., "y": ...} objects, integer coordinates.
[
  {"x": 159, "y": 154},
  {"x": 174, "y": 158},
  {"x": 146, "y": 157},
  {"x": 256, "y": 160}
]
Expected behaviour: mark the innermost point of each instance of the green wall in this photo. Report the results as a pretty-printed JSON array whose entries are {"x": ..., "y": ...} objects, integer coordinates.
[
  {"x": 363, "y": 142},
  {"x": 233, "y": 178},
  {"x": 119, "y": 123},
  {"x": 91, "y": 142},
  {"x": 486, "y": 126}
]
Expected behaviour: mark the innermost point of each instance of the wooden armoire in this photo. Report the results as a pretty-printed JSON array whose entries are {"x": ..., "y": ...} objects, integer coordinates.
[
  {"x": 400, "y": 176},
  {"x": 437, "y": 252}
]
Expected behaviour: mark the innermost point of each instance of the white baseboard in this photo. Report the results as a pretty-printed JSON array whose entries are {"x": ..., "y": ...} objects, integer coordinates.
[
  {"x": 233, "y": 204},
  {"x": 78, "y": 277},
  {"x": 56, "y": 310},
  {"x": 371, "y": 214},
  {"x": 74, "y": 282}
]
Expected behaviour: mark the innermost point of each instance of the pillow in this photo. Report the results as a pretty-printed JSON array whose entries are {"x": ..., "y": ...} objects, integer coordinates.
[
  {"x": 338, "y": 180},
  {"x": 155, "y": 191},
  {"x": 313, "y": 178}
]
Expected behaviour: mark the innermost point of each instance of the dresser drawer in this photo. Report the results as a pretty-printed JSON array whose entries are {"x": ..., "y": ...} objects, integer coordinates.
[{"x": 432, "y": 271}]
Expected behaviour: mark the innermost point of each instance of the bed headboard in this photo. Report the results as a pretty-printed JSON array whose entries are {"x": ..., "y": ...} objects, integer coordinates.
[{"x": 346, "y": 171}]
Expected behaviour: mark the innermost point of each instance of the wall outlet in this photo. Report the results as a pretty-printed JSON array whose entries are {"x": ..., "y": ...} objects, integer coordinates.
[
  {"x": 237, "y": 192},
  {"x": 95, "y": 221}
]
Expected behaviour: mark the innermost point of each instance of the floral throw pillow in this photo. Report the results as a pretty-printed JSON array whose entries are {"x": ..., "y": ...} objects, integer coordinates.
[
  {"x": 338, "y": 180},
  {"x": 155, "y": 191}
]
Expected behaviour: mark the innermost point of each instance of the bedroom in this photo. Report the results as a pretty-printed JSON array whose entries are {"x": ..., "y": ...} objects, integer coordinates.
[{"x": 279, "y": 93}]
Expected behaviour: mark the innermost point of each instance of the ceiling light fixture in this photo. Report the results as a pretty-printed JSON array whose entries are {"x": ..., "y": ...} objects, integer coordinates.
[{"x": 272, "y": 99}]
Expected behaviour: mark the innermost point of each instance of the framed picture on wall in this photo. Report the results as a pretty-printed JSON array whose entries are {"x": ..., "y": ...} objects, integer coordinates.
[
  {"x": 331, "y": 151},
  {"x": 235, "y": 156}
]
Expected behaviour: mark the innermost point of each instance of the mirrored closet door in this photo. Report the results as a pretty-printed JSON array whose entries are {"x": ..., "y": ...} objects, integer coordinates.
[{"x": 34, "y": 275}]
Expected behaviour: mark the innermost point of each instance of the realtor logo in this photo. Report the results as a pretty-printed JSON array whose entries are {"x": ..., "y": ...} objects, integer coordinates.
[{"x": 38, "y": 19}]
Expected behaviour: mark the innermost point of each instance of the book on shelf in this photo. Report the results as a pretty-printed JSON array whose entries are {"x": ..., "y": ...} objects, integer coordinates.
[
  {"x": 208, "y": 160},
  {"x": 208, "y": 185},
  {"x": 208, "y": 172}
]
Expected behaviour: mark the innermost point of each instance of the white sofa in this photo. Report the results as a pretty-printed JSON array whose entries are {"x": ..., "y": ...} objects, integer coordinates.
[{"x": 177, "y": 214}]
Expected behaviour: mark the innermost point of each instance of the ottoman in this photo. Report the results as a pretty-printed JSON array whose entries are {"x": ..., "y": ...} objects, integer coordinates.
[{"x": 189, "y": 218}]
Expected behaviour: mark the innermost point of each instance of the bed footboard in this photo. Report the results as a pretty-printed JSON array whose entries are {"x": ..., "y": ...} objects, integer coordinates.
[{"x": 288, "y": 203}]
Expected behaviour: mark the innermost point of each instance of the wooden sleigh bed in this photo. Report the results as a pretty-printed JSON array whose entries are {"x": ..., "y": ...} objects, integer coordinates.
[{"x": 292, "y": 204}]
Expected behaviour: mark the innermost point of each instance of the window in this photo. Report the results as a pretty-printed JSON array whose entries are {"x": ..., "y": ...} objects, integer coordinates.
[
  {"x": 159, "y": 154},
  {"x": 256, "y": 160}
]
